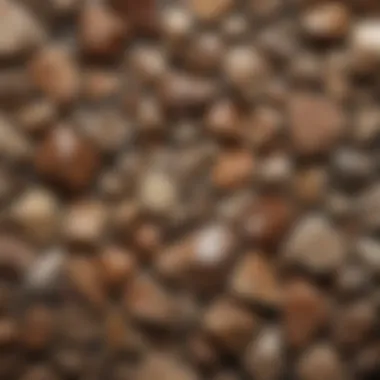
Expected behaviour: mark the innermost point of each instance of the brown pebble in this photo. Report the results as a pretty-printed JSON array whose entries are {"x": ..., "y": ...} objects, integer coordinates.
[
  {"x": 254, "y": 280},
  {"x": 164, "y": 367},
  {"x": 210, "y": 10},
  {"x": 320, "y": 361},
  {"x": 305, "y": 312},
  {"x": 102, "y": 32},
  {"x": 117, "y": 266},
  {"x": 54, "y": 71},
  {"x": 9, "y": 332},
  {"x": 268, "y": 219},
  {"x": 229, "y": 325},
  {"x": 37, "y": 328},
  {"x": 233, "y": 169},
  {"x": 99, "y": 85},
  {"x": 66, "y": 159},
  {"x": 327, "y": 21},
  {"x": 316, "y": 123}
]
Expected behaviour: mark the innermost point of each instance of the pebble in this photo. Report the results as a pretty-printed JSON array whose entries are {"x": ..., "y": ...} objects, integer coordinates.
[
  {"x": 37, "y": 328},
  {"x": 305, "y": 311},
  {"x": 275, "y": 170},
  {"x": 66, "y": 159},
  {"x": 20, "y": 31},
  {"x": 165, "y": 367},
  {"x": 365, "y": 37},
  {"x": 40, "y": 372},
  {"x": 267, "y": 219},
  {"x": 158, "y": 192},
  {"x": 264, "y": 357},
  {"x": 37, "y": 213},
  {"x": 329, "y": 21},
  {"x": 54, "y": 71},
  {"x": 230, "y": 325},
  {"x": 368, "y": 252},
  {"x": 224, "y": 120},
  {"x": 117, "y": 266},
  {"x": 83, "y": 275},
  {"x": 233, "y": 169},
  {"x": 354, "y": 323},
  {"x": 148, "y": 302},
  {"x": 316, "y": 123},
  {"x": 211, "y": 10},
  {"x": 37, "y": 116},
  {"x": 101, "y": 31},
  {"x": 14, "y": 146},
  {"x": 315, "y": 245},
  {"x": 320, "y": 360},
  {"x": 368, "y": 207},
  {"x": 177, "y": 24},
  {"x": 85, "y": 222},
  {"x": 100, "y": 85},
  {"x": 254, "y": 279},
  {"x": 366, "y": 127}
]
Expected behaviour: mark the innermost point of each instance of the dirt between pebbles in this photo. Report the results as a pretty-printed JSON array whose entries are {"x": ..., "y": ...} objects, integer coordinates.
[{"x": 189, "y": 190}]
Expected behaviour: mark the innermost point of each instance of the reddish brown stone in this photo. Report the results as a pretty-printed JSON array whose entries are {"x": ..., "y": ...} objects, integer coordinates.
[
  {"x": 305, "y": 312},
  {"x": 66, "y": 159}
]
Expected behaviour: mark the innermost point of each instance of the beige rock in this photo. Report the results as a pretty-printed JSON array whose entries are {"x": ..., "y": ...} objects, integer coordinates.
[
  {"x": 20, "y": 31},
  {"x": 254, "y": 280},
  {"x": 85, "y": 222},
  {"x": 37, "y": 213},
  {"x": 264, "y": 357},
  {"x": 315, "y": 245},
  {"x": 99, "y": 85}
]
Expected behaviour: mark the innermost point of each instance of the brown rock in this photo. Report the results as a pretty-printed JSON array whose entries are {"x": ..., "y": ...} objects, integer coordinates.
[
  {"x": 164, "y": 367},
  {"x": 320, "y": 361},
  {"x": 85, "y": 222},
  {"x": 224, "y": 120},
  {"x": 20, "y": 32},
  {"x": 40, "y": 372},
  {"x": 181, "y": 92},
  {"x": 310, "y": 185},
  {"x": 148, "y": 239},
  {"x": 9, "y": 332},
  {"x": 315, "y": 123},
  {"x": 66, "y": 159},
  {"x": 254, "y": 280},
  {"x": 117, "y": 266},
  {"x": 354, "y": 323},
  {"x": 327, "y": 21},
  {"x": 100, "y": 85},
  {"x": 368, "y": 205},
  {"x": 14, "y": 146},
  {"x": 201, "y": 350},
  {"x": 37, "y": 116},
  {"x": 233, "y": 169},
  {"x": 368, "y": 252},
  {"x": 37, "y": 328},
  {"x": 268, "y": 219},
  {"x": 200, "y": 261},
  {"x": 142, "y": 15},
  {"x": 150, "y": 303},
  {"x": 211, "y": 10},
  {"x": 177, "y": 24},
  {"x": 83, "y": 274},
  {"x": 264, "y": 357},
  {"x": 54, "y": 71},
  {"x": 15, "y": 87},
  {"x": 102, "y": 32},
  {"x": 229, "y": 325},
  {"x": 305, "y": 312},
  {"x": 315, "y": 245}
]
